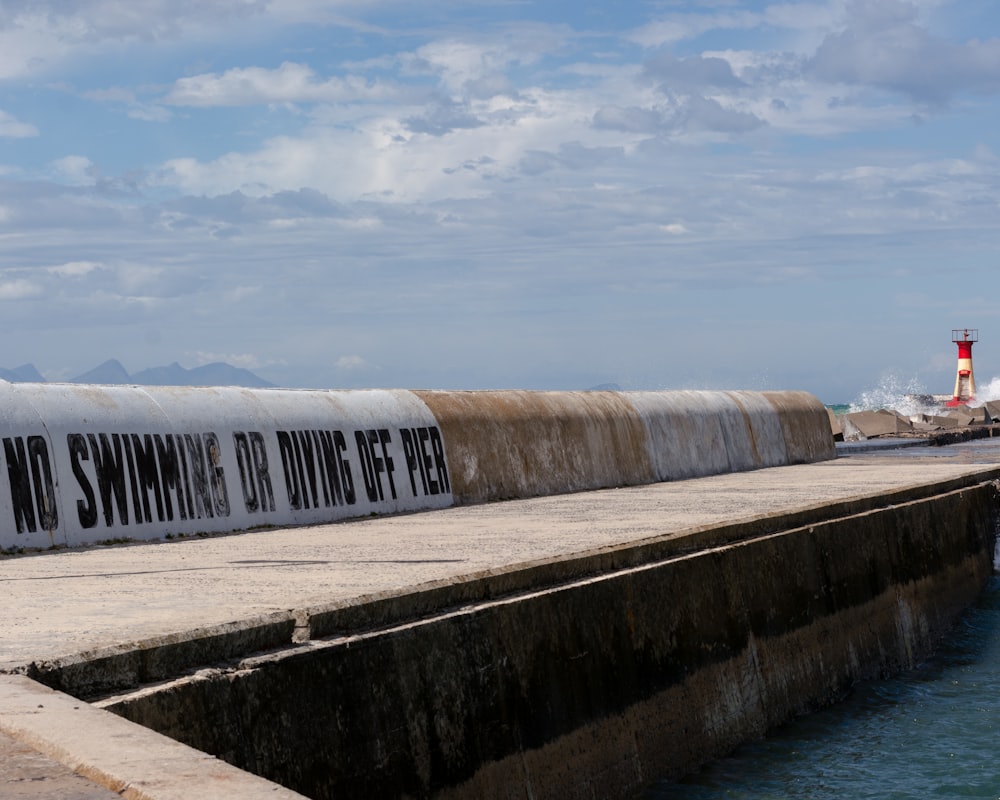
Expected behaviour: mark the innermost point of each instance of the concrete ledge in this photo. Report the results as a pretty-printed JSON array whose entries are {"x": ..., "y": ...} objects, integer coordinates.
[
  {"x": 123, "y": 667},
  {"x": 96, "y": 672},
  {"x": 130, "y": 760},
  {"x": 387, "y": 609}
]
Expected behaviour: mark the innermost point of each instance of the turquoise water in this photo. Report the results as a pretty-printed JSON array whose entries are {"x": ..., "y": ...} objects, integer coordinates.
[{"x": 933, "y": 732}]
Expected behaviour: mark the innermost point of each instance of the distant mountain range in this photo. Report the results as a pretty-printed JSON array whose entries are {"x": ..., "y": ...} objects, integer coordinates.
[
  {"x": 26, "y": 373},
  {"x": 112, "y": 372}
]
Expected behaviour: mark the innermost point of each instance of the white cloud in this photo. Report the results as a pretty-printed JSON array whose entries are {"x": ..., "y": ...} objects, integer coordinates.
[
  {"x": 75, "y": 269},
  {"x": 18, "y": 289},
  {"x": 28, "y": 45},
  {"x": 679, "y": 27},
  {"x": 886, "y": 45},
  {"x": 350, "y": 362},
  {"x": 465, "y": 66},
  {"x": 804, "y": 24},
  {"x": 289, "y": 83},
  {"x": 149, "y": 113},
  {"x": 242, "y": 360},
  {"x": 37, "y": 36},
  {"x": 104, "y": 20},
  {"x": 383, "y": 161},
  {"x": 77, "y": 170},
  {"x": 11, "y": 128}
]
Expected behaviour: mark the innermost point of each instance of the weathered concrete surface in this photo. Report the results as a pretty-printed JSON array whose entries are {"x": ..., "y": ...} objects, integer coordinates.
[
  {"x": 582, "y": 689},
  {"x": 514, "y": 444},
  {"x": 935, "y": 421},
  {"x": 866, "y": 424},
  {"x": 26, "y": 773},
  {"x": 459, "y": 577},
  {"x": 107, "y": 751}
]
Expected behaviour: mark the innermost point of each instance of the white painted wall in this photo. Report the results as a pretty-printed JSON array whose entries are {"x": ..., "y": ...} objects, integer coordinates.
[
  {"x": 92, "y": 463},
  {"x": 82, "y": 464}
]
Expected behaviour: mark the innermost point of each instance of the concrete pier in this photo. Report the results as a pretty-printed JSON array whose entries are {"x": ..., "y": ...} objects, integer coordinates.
[{"x": 573, "y": 645}]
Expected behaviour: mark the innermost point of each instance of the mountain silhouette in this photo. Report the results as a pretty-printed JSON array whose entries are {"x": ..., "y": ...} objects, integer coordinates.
[
  {"x": 215, "y": 374},
  {"x": 26, "y": 373},
  {"x": 111, "y": 372}
]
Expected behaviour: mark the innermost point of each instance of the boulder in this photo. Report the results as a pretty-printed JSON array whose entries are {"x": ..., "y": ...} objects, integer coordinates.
[
  {"x": 866, "y": 424},
  {"x": 937, "y": 421},
  {"x": 992, "y": 409}
]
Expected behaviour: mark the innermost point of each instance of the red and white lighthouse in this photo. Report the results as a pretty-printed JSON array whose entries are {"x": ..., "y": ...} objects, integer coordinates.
[{"x": 965, "y": 381}]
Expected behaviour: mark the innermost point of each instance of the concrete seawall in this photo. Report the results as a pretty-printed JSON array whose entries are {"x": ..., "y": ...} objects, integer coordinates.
[
  {"x": 591, "y": 685},
  {"x": 84, "y": 464},
  {"x": 562, "y": 645}
]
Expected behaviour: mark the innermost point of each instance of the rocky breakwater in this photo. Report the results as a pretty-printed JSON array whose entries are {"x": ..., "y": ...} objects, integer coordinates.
[{"x": 937, "y": 424}]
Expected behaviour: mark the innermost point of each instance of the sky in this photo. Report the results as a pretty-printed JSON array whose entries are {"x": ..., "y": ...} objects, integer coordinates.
[{"x": 489, "y": 194}]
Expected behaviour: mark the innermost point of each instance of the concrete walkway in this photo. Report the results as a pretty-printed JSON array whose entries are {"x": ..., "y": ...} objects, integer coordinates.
[
  {"x": 63, "y": 603},
  {"x": 60, "y": 605},
  {"x": 27, "y": 773}
]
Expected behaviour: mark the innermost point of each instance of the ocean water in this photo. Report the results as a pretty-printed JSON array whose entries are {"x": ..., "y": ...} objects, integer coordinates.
[{"x": 933, "y": 732}]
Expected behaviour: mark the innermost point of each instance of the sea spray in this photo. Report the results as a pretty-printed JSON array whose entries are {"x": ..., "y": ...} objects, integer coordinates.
[
  {"x": 910, "y": 398},
  {"x": 907, "y": 396},
  {"x": 987, "y": 393}
]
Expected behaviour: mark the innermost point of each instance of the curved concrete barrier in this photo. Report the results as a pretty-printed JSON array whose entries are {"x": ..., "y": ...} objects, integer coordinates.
[
  {"x": 509, "y": 444},
  {"x": 83, "y": 464},
  {"x": 94, "y": 463}
]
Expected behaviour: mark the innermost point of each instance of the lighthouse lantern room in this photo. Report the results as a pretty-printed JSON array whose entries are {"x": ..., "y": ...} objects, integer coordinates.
[{"x": 965, "y": 382}]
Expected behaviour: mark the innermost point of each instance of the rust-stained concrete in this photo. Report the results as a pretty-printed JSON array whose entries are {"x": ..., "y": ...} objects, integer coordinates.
[
  {"x": 503, "y": 445},
  {"x": 508, "y": 444}
]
